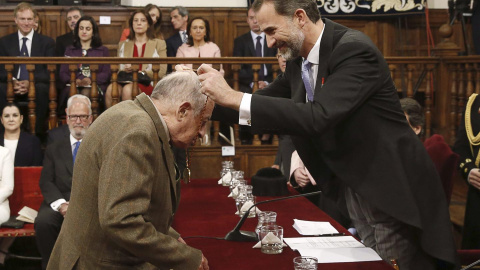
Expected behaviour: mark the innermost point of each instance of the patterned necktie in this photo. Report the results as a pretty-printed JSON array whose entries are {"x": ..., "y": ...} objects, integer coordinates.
[
  {"x": 23, "y": 67},
  {"x": 75, "y": 150},
  {"x": 258, "y": 53},
  {"x": 184, "y": 37},
  {"x": 306, "y": 79}
]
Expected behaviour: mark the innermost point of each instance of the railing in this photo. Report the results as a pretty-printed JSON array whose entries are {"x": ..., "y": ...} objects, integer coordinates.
[{"x": 442, "y": 84}]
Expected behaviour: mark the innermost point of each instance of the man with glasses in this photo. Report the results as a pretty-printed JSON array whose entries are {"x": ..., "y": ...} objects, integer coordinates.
[
  {"x": 125, "y": 190},
  {"x": 56, "y": 178},
  {"x": 27, "y": 43}
]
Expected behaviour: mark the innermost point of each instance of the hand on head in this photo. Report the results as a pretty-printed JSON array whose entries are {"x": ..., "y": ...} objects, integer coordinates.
[{"x": 216, "y": 88}]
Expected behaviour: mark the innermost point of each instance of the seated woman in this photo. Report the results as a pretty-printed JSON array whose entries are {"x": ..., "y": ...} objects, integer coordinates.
[
  {"x": 86, "y": 43},
  {"x": 140, "y": 43},
  {"x": 156, "y": 15},
  {"x": 24, "y": 147},
  {"x": 198, "y": 43}
]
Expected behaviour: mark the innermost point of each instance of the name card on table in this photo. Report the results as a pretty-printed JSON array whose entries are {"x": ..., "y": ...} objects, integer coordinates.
[{"x": 228, "y": 151}]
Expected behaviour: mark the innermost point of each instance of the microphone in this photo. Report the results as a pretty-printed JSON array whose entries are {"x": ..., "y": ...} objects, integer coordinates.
[{"x": 245, "y": 236}]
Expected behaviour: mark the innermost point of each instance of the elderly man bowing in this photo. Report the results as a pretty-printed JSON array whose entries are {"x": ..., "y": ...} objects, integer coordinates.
[{"x": 125, "y": 190}]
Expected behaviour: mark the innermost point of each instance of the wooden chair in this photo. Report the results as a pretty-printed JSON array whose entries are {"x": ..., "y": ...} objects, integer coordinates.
[{"x": 26, "y": 192}]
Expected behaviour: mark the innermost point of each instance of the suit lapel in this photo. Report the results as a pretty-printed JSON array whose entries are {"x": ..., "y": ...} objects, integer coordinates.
[
  {"x": 250, "y": 46},
  {"x": 149, "y": 48},
  {"x": 326, "y": 45},
  {"x": 34, "y": 51},
  {"x": 128, "y": 49},
  {"x": 148, "y": 106},
  {"x": 66, "y": 154},
  {"x": 299, "y": 94}
]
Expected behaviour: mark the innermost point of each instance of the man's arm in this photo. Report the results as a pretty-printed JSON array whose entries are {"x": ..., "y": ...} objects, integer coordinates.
[{"x": 49, "y": 188}]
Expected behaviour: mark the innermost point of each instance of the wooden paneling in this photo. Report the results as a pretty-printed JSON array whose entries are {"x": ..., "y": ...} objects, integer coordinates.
[{"x": 394, "y": 36}]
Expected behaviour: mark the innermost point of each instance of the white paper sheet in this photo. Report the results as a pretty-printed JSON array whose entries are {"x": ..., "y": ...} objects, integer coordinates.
[
  {"x": 322, "y": 242},
  {"x": 305, "y": 227},
  {"x": 339, "y": 255}
]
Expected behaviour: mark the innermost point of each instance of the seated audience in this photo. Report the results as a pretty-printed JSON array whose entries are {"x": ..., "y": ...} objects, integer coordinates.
[
  {"x": 86, "y": 43},
  {"x": 198, "y": 43},
  {"x": 156, "y": 15},
  {"x": 467, "y": 145},
  {"x": 56, "y": 179},
  {"x": 37, "y": 24},
  {"x": 25, "y": 148},
  {"x": 62, "y": 42},
  {"x": 140, "y": 43},
  {"x": 27, "y": 43}
]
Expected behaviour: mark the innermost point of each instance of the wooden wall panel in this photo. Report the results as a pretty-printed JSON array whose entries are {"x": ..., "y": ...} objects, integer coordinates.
[{"x": 394, "y": 36}]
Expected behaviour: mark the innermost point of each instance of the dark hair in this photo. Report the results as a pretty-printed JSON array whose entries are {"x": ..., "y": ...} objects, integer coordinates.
[
  {"x": 207, "y": 30},
  {"x": 10, "y": 104},
  {"x": 414, "y": 111},
  {"x": 181, "y": 10},
  {"x": 96, "y": 40},
  {"x": 149, "y": 33},
  {"x": 287, "y": 7},
  {"x": 157, "y": 26},
  {"x": 75, "y": 9}
]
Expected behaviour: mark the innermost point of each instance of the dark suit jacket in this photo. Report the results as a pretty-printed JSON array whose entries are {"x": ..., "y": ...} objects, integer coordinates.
[
  {"x": 468, "y": 160},
  {"x": 62, "y": 42},
  {"x": 41, "y": 46},
  {"x": 56, "y": 178},
  {"x": 243, "y": 46},
  {"x": 124, "y": 197},
  {"x": 173, "y": 43},
  {"x": 58, "y": 133},
  {"x": 356, "y": 132},
  {"x": 29, "y": 150}
]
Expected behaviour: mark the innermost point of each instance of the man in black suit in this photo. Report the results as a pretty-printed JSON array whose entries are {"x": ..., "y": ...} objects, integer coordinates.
[
  {"x": 246, "y": 46},
  {"x": 26, "y": 42},
  {"x": 65, "y": 40},
  {"x": 339, "y": 104},
  {"x": 179, "y": 20},
  {"x": 56, "y": 178}
]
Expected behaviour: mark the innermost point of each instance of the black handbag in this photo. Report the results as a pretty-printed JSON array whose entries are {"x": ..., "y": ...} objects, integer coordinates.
[{"x": 127, "y": 77}]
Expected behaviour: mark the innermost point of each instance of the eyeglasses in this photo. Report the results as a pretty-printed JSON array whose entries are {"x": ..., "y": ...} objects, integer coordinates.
[{"x": 82, "y": 117}]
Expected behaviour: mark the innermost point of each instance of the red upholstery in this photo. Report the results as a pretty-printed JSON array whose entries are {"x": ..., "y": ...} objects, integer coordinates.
[
  {"x": 445, "y": 161},
  {"x": 205, "y": 210},
  {"x": 26, "y": 192},
  {"x": 468, "y": 256}
]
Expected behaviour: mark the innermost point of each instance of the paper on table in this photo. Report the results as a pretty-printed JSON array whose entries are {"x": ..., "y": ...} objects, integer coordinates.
[
  {"x": 333, "y": 249},
  {"x": 338, "y": 255},
  {"x": 298, "y": 243},
  {"x": 234, "y": 192},
  {"x": 313, "y": 227}
]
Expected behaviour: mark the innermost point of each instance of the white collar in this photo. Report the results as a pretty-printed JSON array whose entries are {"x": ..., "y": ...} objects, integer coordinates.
[
  {"x": 254, "y": 35},
  {"x": 73, "y": 140},
  {"x": 314, "y": 54},
  {"x": 29, "y": 36}
]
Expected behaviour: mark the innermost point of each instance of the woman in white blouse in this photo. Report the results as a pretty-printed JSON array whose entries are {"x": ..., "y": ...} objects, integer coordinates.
[{"x": 6, "y": 182}]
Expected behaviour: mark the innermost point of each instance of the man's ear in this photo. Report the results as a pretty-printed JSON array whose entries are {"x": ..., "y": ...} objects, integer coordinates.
[
  {"x": 183, "y": 110},
  {"x": 302, "y": 17},
  {"x": 417, "y": 129}
]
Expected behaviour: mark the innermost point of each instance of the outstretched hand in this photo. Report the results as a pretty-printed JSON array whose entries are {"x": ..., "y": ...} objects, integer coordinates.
[{"x": 217, "y": 89}]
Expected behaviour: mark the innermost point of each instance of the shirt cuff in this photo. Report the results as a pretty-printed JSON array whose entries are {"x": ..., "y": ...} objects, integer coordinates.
[
  {"x": 56, "y": 204},
  {"x": 244, "y": 114}
]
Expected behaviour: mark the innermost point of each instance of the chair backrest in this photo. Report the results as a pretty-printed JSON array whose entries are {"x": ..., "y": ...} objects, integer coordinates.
[
  {"x": 26, "y": 191},
  {"x": 445, "y": 161}
]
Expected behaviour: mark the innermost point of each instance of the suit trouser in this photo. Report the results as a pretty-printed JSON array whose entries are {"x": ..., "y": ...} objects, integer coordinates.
[
  {"x": 47, "y": 228},
  {"x": 390, "y": 238}
]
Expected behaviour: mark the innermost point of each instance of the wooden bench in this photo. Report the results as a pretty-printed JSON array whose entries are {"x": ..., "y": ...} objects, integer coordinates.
[{"x": 26, "y": 192}]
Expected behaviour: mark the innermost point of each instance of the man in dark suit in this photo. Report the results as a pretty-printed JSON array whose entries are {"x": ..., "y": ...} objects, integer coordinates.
[
  {"x": 56, "y": 178},
  {"x": 26, "y": 42},
  {"x": 125, "y": 186},
  {"x": 339, "y": 104},
  {"x": 65, "y": 40},
  {"x": 179, "y": 20},
  {"x": 246, "y": 46}
]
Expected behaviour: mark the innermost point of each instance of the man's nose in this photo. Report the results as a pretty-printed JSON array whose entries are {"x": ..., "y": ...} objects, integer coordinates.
[{"x": 270, "y": 41}]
